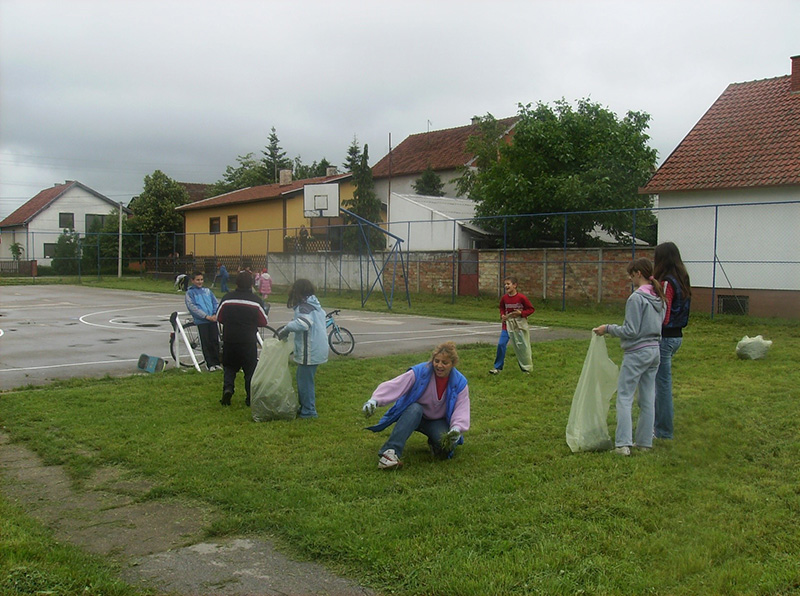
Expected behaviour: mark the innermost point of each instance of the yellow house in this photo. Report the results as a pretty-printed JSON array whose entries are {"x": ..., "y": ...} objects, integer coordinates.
[{"x": 261, "y": 219}]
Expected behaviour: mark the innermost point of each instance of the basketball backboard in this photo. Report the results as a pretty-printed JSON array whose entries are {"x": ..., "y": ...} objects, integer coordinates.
[{"x": 321, "y": 200}]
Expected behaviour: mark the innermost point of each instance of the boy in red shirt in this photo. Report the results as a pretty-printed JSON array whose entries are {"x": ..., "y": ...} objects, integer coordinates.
[{"x": 515, "y": 308}]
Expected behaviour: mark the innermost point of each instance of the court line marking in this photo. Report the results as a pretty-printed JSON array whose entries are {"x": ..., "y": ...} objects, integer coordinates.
[{"x": 73, "y": 364}]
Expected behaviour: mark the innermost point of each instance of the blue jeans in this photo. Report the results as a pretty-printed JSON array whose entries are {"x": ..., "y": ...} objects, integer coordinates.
[
  {"x": 502, "y": 346},
  {"x": 638, "y": 370},
  {"x": 663, "y": 425},
  {"x": 306, "y": 390},
  {"x": 411, "y": 420}
]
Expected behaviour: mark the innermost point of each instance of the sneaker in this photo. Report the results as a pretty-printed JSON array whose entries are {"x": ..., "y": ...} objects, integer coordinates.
[
  {"x": 624, "y": 450},
  {"x": 388, "y": 460},
  {"x": 642, "y": 448},
  {"x": 226, "y": 398},
  {"x": 214, "y": 368},
  {"x": 494, "y": 371}
]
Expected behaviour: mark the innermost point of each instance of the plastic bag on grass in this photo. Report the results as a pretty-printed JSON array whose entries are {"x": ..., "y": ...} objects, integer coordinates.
[
  {"x": 272, "y": 396},
  {"x": 752, "y": 348},
  {"x": 520, "y": 335},
  {"x": 587, "y": 428}
]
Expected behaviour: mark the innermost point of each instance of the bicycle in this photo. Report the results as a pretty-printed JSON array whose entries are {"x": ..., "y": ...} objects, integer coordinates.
[
  {"x": 339, "y": 339},
  {"x": 184, "y": 333}
]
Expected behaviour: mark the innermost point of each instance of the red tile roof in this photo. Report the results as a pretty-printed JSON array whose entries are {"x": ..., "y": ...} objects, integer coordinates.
[
  {"x": 28, "y": 210},
  {"x": 31, "y": 208},
  {"x": 196, "y": 191},
  {"x": 439, "y": 149},
  {"x": 750, "y": 137},
  {"x": 260, "y": 193}
]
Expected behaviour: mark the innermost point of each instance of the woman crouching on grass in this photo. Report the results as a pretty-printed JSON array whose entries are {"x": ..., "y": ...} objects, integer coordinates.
[
  {"x": 432, "y": 398},
  {"x": 640, "y": 336}
]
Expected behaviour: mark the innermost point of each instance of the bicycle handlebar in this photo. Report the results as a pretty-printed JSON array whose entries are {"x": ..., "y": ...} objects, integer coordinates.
[{"x": 333, "y": 312}]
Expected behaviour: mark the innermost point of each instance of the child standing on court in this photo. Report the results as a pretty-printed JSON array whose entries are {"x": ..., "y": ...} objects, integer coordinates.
[
  {"x": 202, "y": 303},
  {"x": 640, "y": 336},
  {"x": 515, "y": 308},
  {"x": 264, "y": 284},
  {"x": 310, "y": 342}
]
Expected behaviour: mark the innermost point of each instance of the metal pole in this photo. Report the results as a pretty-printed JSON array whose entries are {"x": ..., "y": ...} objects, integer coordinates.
[
  {"x": 119, "y": 244},
  {"x": 564, "y": 270},
  {"x": 714, "y": 262}
]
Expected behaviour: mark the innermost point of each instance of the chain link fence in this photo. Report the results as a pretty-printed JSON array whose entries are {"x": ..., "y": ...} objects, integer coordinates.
[{"x": 742, "y": 258}]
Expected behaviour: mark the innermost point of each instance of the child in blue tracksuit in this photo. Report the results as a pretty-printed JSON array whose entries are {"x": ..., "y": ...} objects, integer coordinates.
[
  {"x": 640, "y": 336},
  {"x": 310, "y": 342},
  {"x": 202, "y": 303}
]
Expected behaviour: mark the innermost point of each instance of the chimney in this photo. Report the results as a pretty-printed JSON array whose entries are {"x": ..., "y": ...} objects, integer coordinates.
[
  {"x": 331, "y": 171},
  {"x": 795, "y": 84},
  {"x": 284, "y": 177},
  {"x": 475, "y": 120}
]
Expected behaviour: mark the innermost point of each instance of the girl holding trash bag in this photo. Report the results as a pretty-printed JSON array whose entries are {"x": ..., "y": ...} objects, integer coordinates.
[
  {"x": 668, "y": 268},
  {"x": 310, "y": 342},
  {"x": 432, "y": 398},
  {"x": 640, "y": 335}
]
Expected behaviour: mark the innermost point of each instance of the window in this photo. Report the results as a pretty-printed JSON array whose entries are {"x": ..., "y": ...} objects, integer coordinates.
[
  {"x": 95, "y": 222},
  {"x": 213, "y": 225},
  {"x": 49, "y": 250},
  {"x": 233, "y": 223},
  {"x": 66, "y": 221},
  {"x": 733, "y": 305}
]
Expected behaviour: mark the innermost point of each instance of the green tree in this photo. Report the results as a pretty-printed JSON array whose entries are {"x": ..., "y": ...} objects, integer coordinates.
[
  {"x": 16, "y": 249},
  {"x": 429, "y": 184},
  {"x": 365, "y": 204},
  {"x": 353, "y": 159},
  {"x": 562, "y": 159},
  {"x": 301, "y": 171},
  {"x": 274, "y": 159},
  {"x": 249, "y": 172},
  {"x": 154, "y": 210},
  {"x": 105, "y": 241},
  {"x": 66, "y": 256}
]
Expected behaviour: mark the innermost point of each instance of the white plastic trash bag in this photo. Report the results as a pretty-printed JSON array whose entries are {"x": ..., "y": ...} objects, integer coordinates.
[
  {"x": 587, "y": 428},
  {"x": 752, "y": 348},
  {"x": 272, "y": 396},
  {"x": 520, "y": 336}
]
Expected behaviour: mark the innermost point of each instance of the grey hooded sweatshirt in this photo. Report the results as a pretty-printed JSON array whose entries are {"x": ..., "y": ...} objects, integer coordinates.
[{"x": 644, "y": 314}]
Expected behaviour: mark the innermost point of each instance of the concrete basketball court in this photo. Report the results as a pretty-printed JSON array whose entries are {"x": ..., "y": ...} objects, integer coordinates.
[{"x": 50, "y": 332}]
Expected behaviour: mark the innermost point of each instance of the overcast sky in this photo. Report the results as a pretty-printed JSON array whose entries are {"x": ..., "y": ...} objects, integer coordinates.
[{"x": 107, "y": 91}]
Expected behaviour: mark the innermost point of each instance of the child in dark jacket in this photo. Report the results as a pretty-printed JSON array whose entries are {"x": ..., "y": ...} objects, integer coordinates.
[{"x": 240, "y": 313}]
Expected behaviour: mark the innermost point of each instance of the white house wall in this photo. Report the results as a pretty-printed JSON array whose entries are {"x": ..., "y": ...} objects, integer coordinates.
[
  {"x": 426, "y": 231},
  {"x": 404, "y": 185},
  {"x": 746, "y": 236},
  {"x": 44, "y": 227}
]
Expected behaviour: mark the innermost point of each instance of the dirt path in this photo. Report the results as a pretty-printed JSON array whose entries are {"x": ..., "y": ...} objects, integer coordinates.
[{"x": 157, "y": 543}]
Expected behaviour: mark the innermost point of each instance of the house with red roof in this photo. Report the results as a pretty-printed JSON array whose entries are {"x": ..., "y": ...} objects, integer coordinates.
[
  {"x": 261, "y": 219},
  {"x": 445, "y": 151},
  {"x": 38, "y": 222},
  {"x": 729, "y": 197}
]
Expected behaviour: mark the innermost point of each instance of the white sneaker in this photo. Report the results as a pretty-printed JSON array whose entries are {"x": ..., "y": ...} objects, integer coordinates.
[
  {"x": 494, "y": 371},
  {"x": 388, "y": 460},
  {"x": 624, "y": 450}
]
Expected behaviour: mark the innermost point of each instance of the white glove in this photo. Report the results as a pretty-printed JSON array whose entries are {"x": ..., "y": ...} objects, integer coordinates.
[{"x": 369, "y": 407}]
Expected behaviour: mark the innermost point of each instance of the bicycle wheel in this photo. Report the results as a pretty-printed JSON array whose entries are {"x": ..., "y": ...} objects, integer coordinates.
[
  {"x": 177, "y": 347},
  {"x": 341, "y": 341}
]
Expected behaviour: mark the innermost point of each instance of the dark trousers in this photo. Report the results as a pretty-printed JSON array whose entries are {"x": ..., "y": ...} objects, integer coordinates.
[
  {"x": 209, "y": 341},
  {"x": 234, "y": 358}
]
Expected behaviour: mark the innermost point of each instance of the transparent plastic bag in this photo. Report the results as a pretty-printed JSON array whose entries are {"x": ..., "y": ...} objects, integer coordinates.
[
  {"x": 587, "y": 428},
  {"x": 520, "y": 336},
  {"x": 272, "y": 396}
]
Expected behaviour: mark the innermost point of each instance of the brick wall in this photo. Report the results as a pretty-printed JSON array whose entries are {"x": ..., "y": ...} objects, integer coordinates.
[{"x": 592, "y": 274}]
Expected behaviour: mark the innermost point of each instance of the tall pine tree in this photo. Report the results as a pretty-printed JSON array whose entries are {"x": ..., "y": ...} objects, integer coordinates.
[{"x": 366, "y": 205}]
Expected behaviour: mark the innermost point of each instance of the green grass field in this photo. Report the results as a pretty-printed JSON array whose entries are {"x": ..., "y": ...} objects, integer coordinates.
[{"x": 716, "y": 511}]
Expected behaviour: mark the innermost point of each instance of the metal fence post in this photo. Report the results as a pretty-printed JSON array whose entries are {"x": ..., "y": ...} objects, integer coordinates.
[
  {"x": 564, "y": 269},
  {"x": 714, "y": 261}
]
